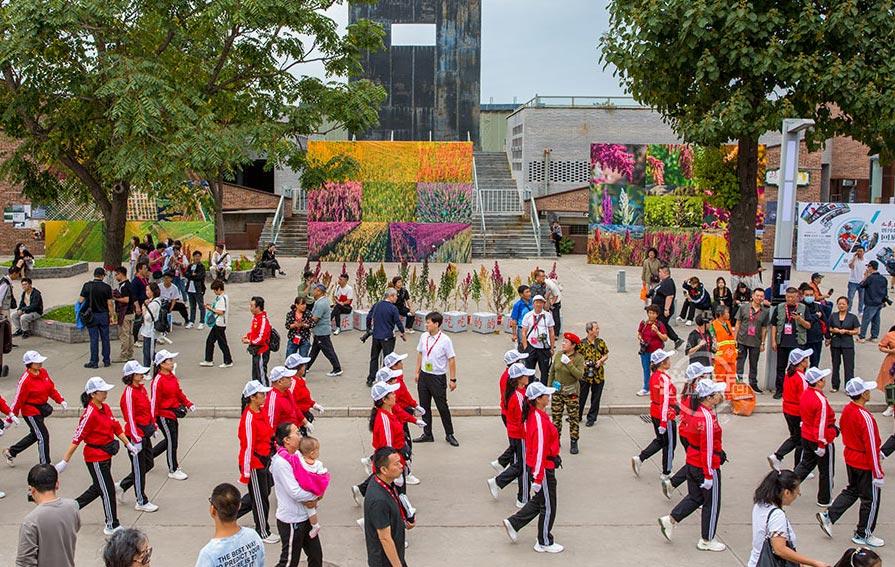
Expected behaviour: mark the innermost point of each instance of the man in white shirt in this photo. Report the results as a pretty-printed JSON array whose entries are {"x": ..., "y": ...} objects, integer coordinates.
[
  {"x": 293, "y": 503},
  {"x": 539, "y": 337},
  {"x": 856, "y": 268},
  {"x": 221, "y": 263},
  {"x": 342, "y": 299},
  {"x": 435, "y": 359},
  {"x": 171, "y": 293}
]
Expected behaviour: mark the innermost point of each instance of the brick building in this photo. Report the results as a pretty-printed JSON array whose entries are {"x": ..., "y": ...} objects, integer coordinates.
[{"x": 10, "y": 196}]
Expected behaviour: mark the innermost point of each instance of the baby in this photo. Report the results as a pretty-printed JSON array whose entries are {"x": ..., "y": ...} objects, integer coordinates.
[{"x": 310, "y": 473}]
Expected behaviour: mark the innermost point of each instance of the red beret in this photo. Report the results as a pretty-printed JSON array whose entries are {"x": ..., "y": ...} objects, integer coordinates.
[{"x": 572, "y": 337}]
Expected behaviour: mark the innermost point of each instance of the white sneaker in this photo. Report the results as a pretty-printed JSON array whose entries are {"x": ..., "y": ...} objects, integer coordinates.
[
  {"x": 710, "y": 545},
  {"x": 358, "y": 497},
  {"x": 667, "y": 488},
  {"x": 336, "y": 331},
  {"x": 119, "y": 492},
  {"x": 666, "y": 526},
  {"x": 10, "y": 460},
  {"x": 411, "y": 479},
  {"x": 165, "y": 340},
  {"x": 178, "y": 475},
  {"x": 552, "y": 548},
  {"x": 201, "y": 326},
  {"x": 492, "y": 486},
  {"x": 188, "y": 325},
  {"x": 148, "y": 507},
  {"x": 689, "y": 323},
  {"x": 520, "y": 504},
  {"x": 334, "y": 373},
  {"x": 2, "y": 494},
  {"x": 635, "y": 464},
  {"x": 367, "y": 464},
  {"x": 271, "y": 539},
  {"x": 206, "y": 363},
  {"x": 642, "y": 393},
  {"x": 360, "y": 523},
  {"x": 496, "y": 466},
  {"x": 810, "y": 476},
  {"x": 315, "y": 529},
  {"x": 889, "y": 411},
  {"x": 511, "y": 533},
  {"x": 679, "y": 319},
  {"x": 871, "y": 541},
  {"x": 410, "y": 331},
  {"x": 774, "y": 462},
  {"x": 109, "y": 531},
  {"x": 225, "y": 365},
  {"x": 823, "y": 518}
]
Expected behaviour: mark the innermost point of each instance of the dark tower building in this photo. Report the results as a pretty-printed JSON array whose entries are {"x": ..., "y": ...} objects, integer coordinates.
[{"x": 430, "y": 68}]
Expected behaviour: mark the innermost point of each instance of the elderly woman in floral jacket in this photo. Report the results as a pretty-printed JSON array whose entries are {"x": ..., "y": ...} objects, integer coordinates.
[{"x": 567, "y": 369}]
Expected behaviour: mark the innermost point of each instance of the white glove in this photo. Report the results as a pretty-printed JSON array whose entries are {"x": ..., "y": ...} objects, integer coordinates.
[
  {"x": 309, "y": 426},
  {"x": 420, "y": 410},
  {"x": 11, "y": 418},
  {"x": 134, "y": 449},
  {"x": 820, "y": 451},
  {"x": 879, "y": 482},
  {"x": 64, "y": 404},
  {"x": 192, "y": 408},
  {"x": 2, "y": 431},
  {"x": 317, "y": 408},
  {"x": 536, "y": 487},
  {"x": 421, "y": 423},
  {"x": 565, "y": 359},
  {"x": 60, "y": 466},
  {"x": 662, "y": 430},
  {"x": 882, "y": 456},
  {"x": 707, "y": 484}
]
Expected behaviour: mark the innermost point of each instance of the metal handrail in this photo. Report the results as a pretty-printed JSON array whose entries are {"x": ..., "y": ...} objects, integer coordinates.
[
  {"x": 535, "y": 221},
  {"x": 478, "y": 196},
  {"x": 278, "y": 220}
]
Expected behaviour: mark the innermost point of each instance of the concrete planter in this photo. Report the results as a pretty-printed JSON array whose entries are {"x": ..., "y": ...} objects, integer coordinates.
[
  {"x": 60, "y": 272},
  {"x": 65, "y": 332},
  {"x": 419, "y": 320},
  {"x": 455, "y": 321},
  {"x": 345, "y": 322},
  {"x": 505, "y": 324},
  {"x": 484, "y": 323},
  {"x": 359, "y": 319},
  {"x": 235, "y": 277}
]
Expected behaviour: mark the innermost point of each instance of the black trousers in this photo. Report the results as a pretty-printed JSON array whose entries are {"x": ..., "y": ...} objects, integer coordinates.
[
  {"x": 295, "y": 540},
  {"x": 816, "y": 350},
  {"x": 794, "y": 441},
  {"x": 596, "y": 393},
  {"x": 516, "y": 471},
  {"x": 826, "y": 467},
  {"x": 750, "y": 353},
  {"x": 665, "y": 442},
  {"x": 506, "y": 457},
  {"x": 168, "y": 445},
  {"x": 324, "y": 344},
  {"x": 37, "y": 434},
  {"x": 103, "y": 487},
  {"x": 710, "y": 500},
  {"x": 680, "y": 477},
  {"x": 434, "y": 386},
  {"x": 860, "y": 486},
  {"x": 842, "y": 357},
  {"x": 539, "y": 358},
  {"x": 782, "y": 361},
  {"x": 337, "y": 312},
  {"x": 259, "y": 367},
  {"x": 380, "y": 347},
  {"x": 541, "y": 506},
  {"x": 662, "y": 317},
  {"x": 257, "y": 500},
  {"x": 180, "y": 307},
  {"x": 556, "y": 311},
  {"x": 217, "y": 335},
  {"x": 141, "y": 463}
]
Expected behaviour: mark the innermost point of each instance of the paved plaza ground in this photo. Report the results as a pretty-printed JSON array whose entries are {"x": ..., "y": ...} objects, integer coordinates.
[{"x": 606, "y": 516}]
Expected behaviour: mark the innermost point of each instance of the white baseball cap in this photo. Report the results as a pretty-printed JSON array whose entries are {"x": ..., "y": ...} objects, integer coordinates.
[
  {"x": 660, "y": 355},
  {"x": 164, "y": 355},
  {"x": 518, "y": 370},
  {"x": 798, "y": 355},
  {"x": 385, "y": 374},
  {"x": 278, "y": 372},
  {"x": 538, "y": 297},
  {"x": 535, "y": 390},
  {"x": 706, "y": 387},
  {"x": 857, "y": 386},
  {"x": 392, "y": 359},
  {"x": 513, "y": 356},
  {"x": 382, "y": 389},
  {"x": 32, "y": 356},
  {"x": 252, "y": 387},
  {"x": 134, "y": 367},
  {"x": 696, "y": 370},
  {"x": 814, "y": 375},
  {"x": 295, "y": 360},
  {"x": 97, "y": 384}
]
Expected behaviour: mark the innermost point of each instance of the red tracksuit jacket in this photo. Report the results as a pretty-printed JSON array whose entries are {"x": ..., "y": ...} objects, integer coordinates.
[
  {"x": 254, "y": 439},
  {"x": 704, "y": 436},
  {"x": 167, "y": 396},
  {"x": 541, "y": 442},
  {"x": 97, "y": 427},
  {"x": 503, "y": 386},
  {"x": 33, "y": 391},
  {"x": 793, "y": 386},
  {"x": 860, "y": 435},
  {"x": 259, "y": 334},
  {"x": 4, "y": 408},
  {"x": 280, "y": 408},
  {"x": 818, "y": 418},
  {"x": 136, "y": 410},
  {"x": 301, "y": 395},
  {"x": 403, "y": 397},
  {"x": 388, "y": 431},
  {"x": 515, "y": 427},
  {"x": 663, "y": 398}
]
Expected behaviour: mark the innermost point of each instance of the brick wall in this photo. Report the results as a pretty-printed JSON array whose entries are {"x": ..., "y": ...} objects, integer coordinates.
[
  {"x": 808, "y": 161},
  {"x": 237, "y": 197},
  {"x": 574, "y": 201},
  {"x": 849, "y": 159},
  {"x": 12, "y": 195}
]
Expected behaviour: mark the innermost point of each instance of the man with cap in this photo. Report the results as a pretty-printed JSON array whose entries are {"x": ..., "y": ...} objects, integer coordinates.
[
  {"x": 139, "y": 427},
  {"x": 789, "y": 330},
  {"x": 875, "y": 296},
  {"x": 520, "y": 309},
  {"x": 280, "y": 405},
  {"x": 819, "y": 431},
  {"x": 663, "y": 411},
  {"x": 538, "y": 339},
  {"x": 510, "y": 358},
  {"x": 254, "y": 435},
  {"x": 435, "y": 359},
  {"x": 565, "y": 373},
  {"x": 322, "y": 329},
  {"x": 860, "y": 435},
  {"x": 33, "y": 393},
  {"x": 695, "y": 372},
  {"x": 305, "y": 406},
  {"x": 169, "y": 402},
  {"x": 383, "y": 318},
  {"x": 258, "y": 339},
  {"x": 97, "y": 296}
]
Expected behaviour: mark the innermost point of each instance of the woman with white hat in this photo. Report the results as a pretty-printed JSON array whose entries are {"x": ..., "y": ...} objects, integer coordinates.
[
  {"x": 705, "y": 456},
  {"x": 793, "y": 385},
  {"x": 663, "y": 409},
  {"x": 254, "y": 435},
  {"x": 541, "y": 458},
  {"x": 98, "y": 430},
  {"x": 514, "y": 400},
  {"x": 168, "y": 404},
  {"x": 819, "y": 433},
  {"x": 694, "y": 373},
  {"x": 510, "y": 358},
  {"x": 305, "y": 406},
  {"x": 139, "y": 426},
  {"x": 31, "y": 401}
]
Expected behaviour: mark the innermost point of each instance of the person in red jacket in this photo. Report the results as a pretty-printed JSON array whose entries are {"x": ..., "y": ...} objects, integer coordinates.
[
  {"x": 818, "y": 434},
  {"x": 98, "y": 430},
  {"x": 404, "y": 400},
  {"x": 793, "y": 386},
  {"x": 255, "y": 434},
  {"x": 168, "y": 401},
  {"x": 139, "y": 426},
  {"x": 694, "y": 373},
  {"x": 663, "y": 411},
  {"x": 280, "y": 404},
  {"x": 258, "y": 339},
  {"x": 705, "y": 456},
  {"x": 514, "y": 399},
  {"x": 305, "y": 406},
  {"x": 510, "y": 358},
  {"x": 541, "y": 458},
  {"x": 860, "y": 435},
  {"x": 34, "y": 391}
]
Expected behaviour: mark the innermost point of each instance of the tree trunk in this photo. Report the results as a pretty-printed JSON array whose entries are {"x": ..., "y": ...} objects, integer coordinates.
[
  {"x": 115, "y": 222},
  {"x": 743, "y": 259},
  {"x": 217, "y": 192}
]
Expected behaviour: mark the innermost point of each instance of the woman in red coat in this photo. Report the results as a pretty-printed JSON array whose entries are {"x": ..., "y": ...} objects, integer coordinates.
[
  {"x": 33, "y": 393},
  {"x": 793, "y": 386},
  {"x": 168, "y": 404},
  {"x": 819, "y": 433},
  {"x": 663, "y": 409},
  {"x": 514, "y": 401},
  {"x": 542, "y": 458},
  {"x": 139, "y": 426},
  {"x": 98, "y": 430},
  {"x": 255, "y": 436}
]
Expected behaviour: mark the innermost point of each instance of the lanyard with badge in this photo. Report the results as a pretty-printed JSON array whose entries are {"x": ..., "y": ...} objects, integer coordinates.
[
  {"x": 392, "y": 494},
  {"x": 752, "y": 316},
  {"x": 539, "y": 337},
  {"x": 787, "y": 326},
  {"x": 428, "y": 366}
]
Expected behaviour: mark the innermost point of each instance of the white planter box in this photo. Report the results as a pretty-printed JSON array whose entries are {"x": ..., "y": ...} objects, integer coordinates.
[
  {"x": 505, "y": 324},
  {"x": 419, "y": 321},
  {"x": 484, "y": 323},
  {"x": 344, "y": 322},
  {"x": 455, "y": 321},
  {"x": 359, "y": 319}
]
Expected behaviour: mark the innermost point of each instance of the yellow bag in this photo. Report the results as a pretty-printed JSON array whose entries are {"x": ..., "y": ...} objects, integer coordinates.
[{"x": 743, "y": 398}]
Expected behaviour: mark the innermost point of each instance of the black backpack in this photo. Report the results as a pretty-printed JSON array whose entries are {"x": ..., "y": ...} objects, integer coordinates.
[
  {"x": 256, "y": 275},
  {"x": 273, "y": 343},
  {"x": 161, "y": 324}
]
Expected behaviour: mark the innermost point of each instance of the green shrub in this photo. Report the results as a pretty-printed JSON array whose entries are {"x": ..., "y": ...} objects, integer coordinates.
[{"x": 46, "y": 263}]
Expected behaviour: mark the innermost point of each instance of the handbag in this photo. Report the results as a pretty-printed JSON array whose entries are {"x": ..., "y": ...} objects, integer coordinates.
[
  {"x": 86, "y": 312},
  {"x": 111, "y": 447},
  {"x": 767, "y": 557},
  {"x": 179, "y": 411}
]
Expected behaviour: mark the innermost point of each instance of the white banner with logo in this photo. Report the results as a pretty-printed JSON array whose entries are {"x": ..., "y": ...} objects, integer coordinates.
[{"x": 829, "y": 233}]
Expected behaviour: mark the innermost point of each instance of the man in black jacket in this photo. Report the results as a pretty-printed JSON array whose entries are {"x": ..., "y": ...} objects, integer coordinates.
[
  {"x": 875, "y": 296},
  {"x": 384, "y": 317},
  {"x": 30, "y": 309},
  {"x": 195, "y": 289}
]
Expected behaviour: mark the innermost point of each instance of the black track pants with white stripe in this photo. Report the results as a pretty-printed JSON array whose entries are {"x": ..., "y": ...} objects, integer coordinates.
[
  {"x": 38, "y": 434},
  {"x": 257, "y": 500},
  {"x": 826, "y": 468},
  {"x": 516, "y": 471},
  {"x": 543, "y": 506},
  {"x": 168, "y": 445},
  {"x": 141, "y": 463},
  {"x": 860, "y": 485},
  {"x": 665, "y": 442},
  {"x": 103, "y": 487},
  {"x": 710, "y": 500}
]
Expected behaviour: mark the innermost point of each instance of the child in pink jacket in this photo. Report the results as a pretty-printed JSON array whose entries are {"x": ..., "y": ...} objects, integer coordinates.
[{"x": 309, "y": 472}]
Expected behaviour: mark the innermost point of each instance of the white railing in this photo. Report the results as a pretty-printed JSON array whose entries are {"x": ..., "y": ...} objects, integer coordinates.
[
  {"x": 278, "y": 219},
  {"x": 500, "y": 202},
  {"x": 535, "y": 221},
  {"x": 477, "y": 202}
]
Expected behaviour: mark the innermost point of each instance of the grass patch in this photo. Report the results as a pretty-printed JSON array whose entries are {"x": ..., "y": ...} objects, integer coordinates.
[
  {"x": 64, "y": 314},
  {"x": 46, "y": 263}
]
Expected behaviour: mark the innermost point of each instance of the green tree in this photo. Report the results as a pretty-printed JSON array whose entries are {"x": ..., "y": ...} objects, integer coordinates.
[
  {"x": 720, "y": 71},
  {"x": 106, "y": 96}
]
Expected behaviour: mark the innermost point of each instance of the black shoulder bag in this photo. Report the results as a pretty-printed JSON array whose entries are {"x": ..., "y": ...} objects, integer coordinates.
[
  {"x": 86, "y": 312},
  {"x": 767, "y": 557}
]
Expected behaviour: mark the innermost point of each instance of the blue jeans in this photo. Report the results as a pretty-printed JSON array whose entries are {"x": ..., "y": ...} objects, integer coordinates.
[
  {"x": 180, "y": 283},
  {"x": 99, "y": 331},
  {"x": 644, "y": 361},
  {"x": 871, "y": 317},
  {"x": 302, "y": 348},
  {"x": 852, "y": 288}
]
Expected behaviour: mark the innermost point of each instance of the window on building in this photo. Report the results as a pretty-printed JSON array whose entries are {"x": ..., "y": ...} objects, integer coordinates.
[{"x": 413, "y": 34}]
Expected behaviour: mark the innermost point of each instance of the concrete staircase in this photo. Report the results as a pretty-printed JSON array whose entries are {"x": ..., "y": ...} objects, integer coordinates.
[{"x": 293, "y": 240}]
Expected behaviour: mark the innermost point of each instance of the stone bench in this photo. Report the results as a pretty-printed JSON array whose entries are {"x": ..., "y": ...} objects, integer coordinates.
[
  {"x": 235, "y": 277},
  {"x": 60, "y": 272},
  {"x": 64, "y": 332}
]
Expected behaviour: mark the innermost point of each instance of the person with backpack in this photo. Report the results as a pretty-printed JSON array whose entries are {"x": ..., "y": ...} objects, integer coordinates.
[
  {"x": 216, "y": 319},
  {"x": 258, "y": 339}
]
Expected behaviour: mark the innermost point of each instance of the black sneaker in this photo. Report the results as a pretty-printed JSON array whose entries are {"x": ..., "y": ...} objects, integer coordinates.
[
  {"x": 590, "y": 423},
  {"x": 424, "y": 439},
  {"x": 17, "y": 333},
  {"x": 756, "y": 389},
  {"x": 778, "y": 395},
  {"x": 90, "y": 365},
  {"x": 25, "y": 334},
  {"x": 678, "y": 343}
]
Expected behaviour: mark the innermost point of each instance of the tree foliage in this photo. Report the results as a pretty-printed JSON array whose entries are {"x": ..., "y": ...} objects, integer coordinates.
[{"x": 715, "y": 171}]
